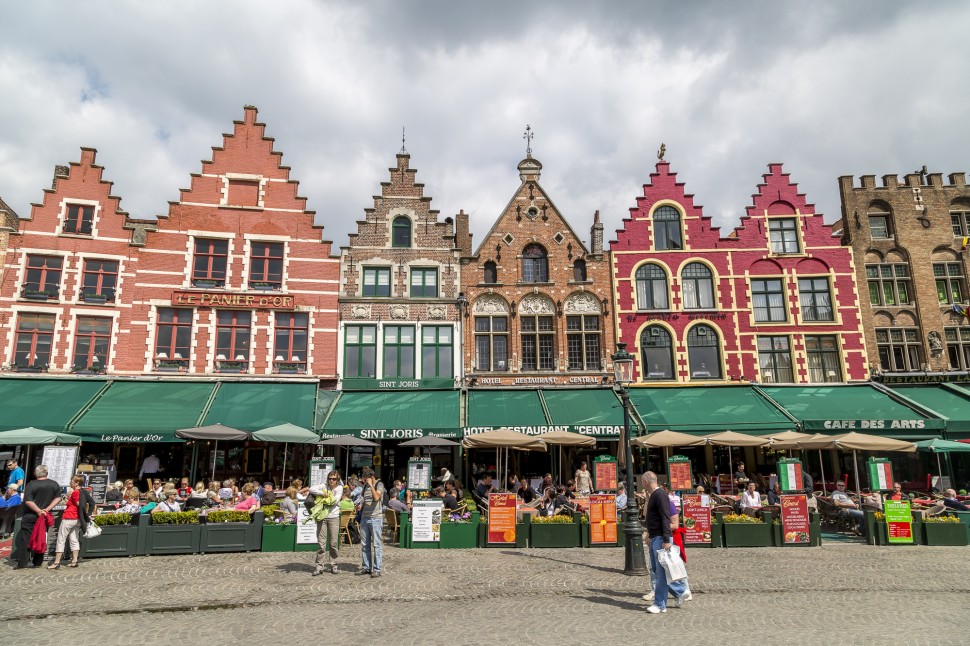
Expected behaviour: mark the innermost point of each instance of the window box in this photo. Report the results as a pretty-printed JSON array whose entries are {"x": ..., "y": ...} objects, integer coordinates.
[
  {"x": 945, "y": 534},
  {"x": 289, "y": 367},
  {"x": 265, "y": 286},
  {"x": 207, "y": 283},
  {"x": 96, "y": 299},
  {"x": 171, "y": 365},
  {"x": 232, "y": 366},
  {"x": 21, "y": 367},
  {"x": 38, "y": 295},
  {"x": 95, "y": 369},
  {"x": 278, "y": 538}
]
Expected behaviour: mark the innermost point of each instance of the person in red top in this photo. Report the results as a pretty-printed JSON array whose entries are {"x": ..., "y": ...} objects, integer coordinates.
[
  {"x": 679, "y": 534},
  {"x": 70, "y": 526},
  {"x": 897, "y": 493}
]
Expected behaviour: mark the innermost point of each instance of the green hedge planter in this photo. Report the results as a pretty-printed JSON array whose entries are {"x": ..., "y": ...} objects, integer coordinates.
[
  {"x": 556, "y": 535},
  {"x": 278, "y": 538},
  {"x": 173, "y": 539},
  {"x": 115, "y": 540},
  {"x": 944, "y": 534},
  {"x": 964, "y": 517},
  {"x": 460, "y": 535},
  {"x": 232, "y": 537},
  {"x": 747, "y": 534}
]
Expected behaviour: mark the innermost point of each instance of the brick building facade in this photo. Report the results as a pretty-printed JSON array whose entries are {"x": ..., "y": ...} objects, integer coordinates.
[
  {"x": 9, "y": 223},
  {"x": 773, "y": 302},
  {"x": 910, "y": 242},
  {"x": 538, "y": 297}
]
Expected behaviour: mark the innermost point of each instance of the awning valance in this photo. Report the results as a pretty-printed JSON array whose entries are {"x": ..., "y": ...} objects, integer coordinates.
[
  {"x": 519, "y": 410},
  {"x": 950, "y": 402},
  {"x": 251, "y": 406},
  {"x": 48, "y": 404},
  {"x": 701, "y": 410},
  {"x": 394, "y": 415},
  {"x": 588, "y": 411}
]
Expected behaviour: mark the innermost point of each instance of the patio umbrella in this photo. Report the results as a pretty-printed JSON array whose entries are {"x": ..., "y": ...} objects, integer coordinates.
[
  {"x": 565, "y": 438},
  {"x": 731, "y": 439},
  {"x": 286, "y": 433},
  {"x": 31, "y": 436},
  {"x": 429, "y": 441},
  {"x": 939, "y": 446},
  {"x": 858, "y": 442},
  {"x": 214, "y": 432},
  {"x": 503, "y": 438},
  {"x": 667, "y": 439},
  {"x": 346, "y": 441}
]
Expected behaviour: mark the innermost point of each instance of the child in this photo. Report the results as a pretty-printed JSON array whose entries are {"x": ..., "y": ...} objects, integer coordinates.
[{"x": 679, "y": 534}]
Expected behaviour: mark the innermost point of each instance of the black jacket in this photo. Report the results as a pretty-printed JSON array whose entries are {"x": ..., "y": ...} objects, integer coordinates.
[{"x": 658, "y": 515}]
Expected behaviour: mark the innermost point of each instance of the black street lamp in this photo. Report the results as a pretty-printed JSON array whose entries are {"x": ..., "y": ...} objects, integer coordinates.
[{"x": 635, "y": 562}]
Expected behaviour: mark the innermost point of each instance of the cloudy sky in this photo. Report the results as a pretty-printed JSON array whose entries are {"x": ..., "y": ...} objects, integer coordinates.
[{"x": 828, "y": 88}]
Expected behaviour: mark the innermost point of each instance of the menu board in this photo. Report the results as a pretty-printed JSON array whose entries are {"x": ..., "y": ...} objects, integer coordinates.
[
  {"x": 602, "y": 518},
  {"x": 678, "y": 469},
  {"x": 899, "y": 521},
  {"x": 604, "y": 474},
  {"x": 426, "y": 520},
  {"x": 60, "y": 461},
  {"x": 880, "y": 474},
  {"x": 790, "y": 475},
  {"x": 501, "y": 518},
  {"x": 306, "y": 529},
  {"x": 319, "y": 470},
  {"x": 419, "y": 475},
  {"x": 794, "y": 520},
  {"x": 98, "y": 481},
  {"x": 697, "y": 518}
]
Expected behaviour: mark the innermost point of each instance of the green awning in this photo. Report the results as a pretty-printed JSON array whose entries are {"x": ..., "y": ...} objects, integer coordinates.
[
  {"x": 144, "y": 411},
  {"x": 588, "y": 411},
  {"x": 251, "y": 406},
  {"x": 701, "y": 410},
  {"x": 394, "y": 415},
  {"x": 847, "y": 408},
  {"x": 325, "y": 400},
  {"x": 520, "y": 410},
  {"x": 950, "y": 402},
  {"x": 48, "y": 404}
]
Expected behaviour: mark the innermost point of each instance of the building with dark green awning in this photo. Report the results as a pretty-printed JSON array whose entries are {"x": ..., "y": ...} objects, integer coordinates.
[
  {"x": 702, "y": 410},
  {"x": 48, "y": 404},
  {"x": 949, "y": 401},
  {"x": 251, "y": 406},
  {"x": 861, "y": 408},
  {"x": 520, "y": 410},
  {"x": 394, "y": 415},
  {"x": 587, "y": 411}
]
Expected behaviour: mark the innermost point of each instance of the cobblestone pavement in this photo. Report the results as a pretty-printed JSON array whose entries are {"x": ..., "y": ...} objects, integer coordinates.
[{"x": 839, "y": 593}]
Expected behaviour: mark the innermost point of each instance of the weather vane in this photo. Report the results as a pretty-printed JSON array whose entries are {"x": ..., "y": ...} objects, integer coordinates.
[
  {"x": 403, "y": 149},
  {"x": 528, "y": 140},
  {"x": 662, "y": 151}
]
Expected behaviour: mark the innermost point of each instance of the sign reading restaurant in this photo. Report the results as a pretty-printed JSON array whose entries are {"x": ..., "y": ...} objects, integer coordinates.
[
  {"x": 594, "y": 430},
  {"x": 537, "y": 381},
  {"x": 236, "y": 300}
]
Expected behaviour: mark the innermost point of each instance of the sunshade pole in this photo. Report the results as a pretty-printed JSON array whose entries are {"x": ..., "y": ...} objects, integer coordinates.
[
  {"x": 821, "y": 465},
  {"x": 939, "y": 468},
  {"x": 855, "y": 463},
  {"x": 730, "y": 470},
  {"x": 195, "y": 456},
  {"x": 215, "y": 458},
  {"x": 347, "y": 461},
  {"x": 27, "y": 464},
  {"x": 283, "y": 479}
]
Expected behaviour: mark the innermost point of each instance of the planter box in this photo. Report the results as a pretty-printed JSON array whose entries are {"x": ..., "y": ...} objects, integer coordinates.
[
  {"x": 226, "y": 537},
  {"x": 554, "y": 535},
  {"x": 460, "y": 535},
  {"x": 278, "y": 538},
  {"x": 115, "y": 540},
  {"x": 172, "y": 539},
  {"x": 747, "y": 534},
  {"x": 964, "y": 517},
  {"x": 944, "y": 534},
  {"x": 521, "y": 536}
]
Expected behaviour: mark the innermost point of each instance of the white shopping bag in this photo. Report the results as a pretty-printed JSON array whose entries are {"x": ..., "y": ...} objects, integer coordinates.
[{"x": 672, "y": 564}]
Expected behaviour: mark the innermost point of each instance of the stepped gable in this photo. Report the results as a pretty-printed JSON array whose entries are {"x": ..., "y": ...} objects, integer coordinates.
[
  {"x": 778, "y": 195},
  {"x": 8, "y": 217}
]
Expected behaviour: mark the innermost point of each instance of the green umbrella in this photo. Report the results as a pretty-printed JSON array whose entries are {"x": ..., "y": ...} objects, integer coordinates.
[
  {"x": 32, "y": 436},
  {"x": 937, "y": 446},
  {"x": 286, "y": 433}
]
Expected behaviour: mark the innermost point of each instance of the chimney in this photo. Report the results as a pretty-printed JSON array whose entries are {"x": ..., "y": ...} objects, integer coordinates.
[
  {"x": 60, "y": 172},
  {"x": 596, "y": 236},
  {"x": 463, "y": 239}
]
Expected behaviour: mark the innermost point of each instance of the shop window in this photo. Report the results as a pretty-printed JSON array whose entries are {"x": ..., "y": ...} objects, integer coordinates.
[
  {"x": 697, "y": 287},
  {"x": 209, "y": 263},
  {"x": 889, "y": 284},
  {"x": 491, "y": 343},
  {"x": 92, "y": 339},
  {"x": 266, "y": 265},
  {"x": 658, "y": 354},
  {"x": 291, "y": 334},
  {"x": 437, "y": 352},
  {"x": 651, "y": 288},
  {"x": 774, "y": 359},
  {"x": 535, "y": 264},
  {"x": 583, "y": 342},
  {"x": 173, "y": 340},
  {"x": 783, "y": 235},
  {"x": 815, "y": 299},
  {"x": 35, "y": 340},
  {"x": 899, "y": 349},
  {"x": 424, "y": 282},
  {"x": 401, "y": 232},
  {"x": 823, "y": 359},
  {"x": 99, "y": 282},
  {"x": 768, "y": 298},
  {"x": 43, "y": 278},
  {"x": 377, "y": 281},
  {"x": 360, "y": 352},
  {"x": 667, "y": 233},
  {"x": 233, "y": 338},
  {"x": 950, "y": 284},
  {"x": 80, "y": 219},
  {"x": 703, "y": 353}
]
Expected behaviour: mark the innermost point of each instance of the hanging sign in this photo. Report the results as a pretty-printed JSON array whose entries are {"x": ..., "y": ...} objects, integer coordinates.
[
  {"x": 426, "y": 520},
  {"x": 319, "y": 470},
  {"x": 604, "y": 473},
  {"x": 697, "y": 518},
  {"x": 790, "y": 475},
  {"x": 794, "y": 520},
  {"x": 880, "y": 474},
  {"x": 899, "y": 521},
  {"x": 501, "y": 518},
  {"x": 602, "y": 519},
  {"x": 419, "y": 474},
  {"x": 678, "y": 470}
]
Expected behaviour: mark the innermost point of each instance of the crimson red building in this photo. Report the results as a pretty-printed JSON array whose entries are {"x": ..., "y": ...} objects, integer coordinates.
[{"x": 775, "y": 301}]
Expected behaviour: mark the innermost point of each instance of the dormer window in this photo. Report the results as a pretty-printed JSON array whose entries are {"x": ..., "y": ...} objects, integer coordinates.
[
  {"x": 401, "y": 232},
  {"x": 666, "y": 229},
  {"x": 80, "y": 219},
  {"x": 535, "y": 264}
]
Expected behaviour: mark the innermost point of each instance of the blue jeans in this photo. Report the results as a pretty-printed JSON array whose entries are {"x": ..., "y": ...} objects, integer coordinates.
[
  {"x": 660, "y": 586},
  {"x": 371, "y": 531}
]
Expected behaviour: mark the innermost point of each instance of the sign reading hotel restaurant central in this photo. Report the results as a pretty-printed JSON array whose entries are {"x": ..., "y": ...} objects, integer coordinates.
[
  {"x": 565, "y": 428},
  {"x": 539, "y": 381},
  {"x": 242, "y": 301}
]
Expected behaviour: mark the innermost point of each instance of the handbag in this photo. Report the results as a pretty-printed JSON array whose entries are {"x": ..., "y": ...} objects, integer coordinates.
[
  {"x": 672, "y": 564},
  {"x": 93, "y": 530}
]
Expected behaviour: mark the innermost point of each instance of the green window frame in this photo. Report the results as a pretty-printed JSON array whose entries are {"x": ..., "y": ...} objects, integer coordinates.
[
  {"x": 437, "y": 352},
  {"x": 360, "y": 352},
  {"x": 889, "y": 284},
  {"x": 424, "y": 282},
  {"x": 377, "y": 282},
  {"x": 398, "y": 352},
  {"x": 401, "y": 232},
  {"x": 950, "y": 285}
]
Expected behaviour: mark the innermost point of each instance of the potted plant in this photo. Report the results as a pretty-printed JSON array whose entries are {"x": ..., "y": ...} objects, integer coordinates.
[
  {"x": 206, "y": 283},
  {"x": 118, "y": 537},
  {"x": 289, "y": 367},
  {"x": 944, "y": 530},
  {"x": 556, "y": 531},
  {"x": 459, "y": 531},
  {"x": 228, "y": 530},
  {"x": 741, "y": 530},
  {"x": 38, "y": 294},
  {"x": 95, "y": 299},
  {"x": 263, "y": 285},
  {"x": 279, "y": 534},
  {"x": 177, "y": 532}
]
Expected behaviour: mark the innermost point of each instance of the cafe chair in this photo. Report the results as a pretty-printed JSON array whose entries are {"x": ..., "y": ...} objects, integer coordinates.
[
  {"x": 346, "y": 519},
  {"x": 935, "y": 510},
  {"x": 392, "y": 525}
]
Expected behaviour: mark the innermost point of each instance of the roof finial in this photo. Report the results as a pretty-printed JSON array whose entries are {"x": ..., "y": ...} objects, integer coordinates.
[
  {"x": 662, "y": 151},
  {"x": 528, "y": 140},
  {"x": 404, "y": 151}
]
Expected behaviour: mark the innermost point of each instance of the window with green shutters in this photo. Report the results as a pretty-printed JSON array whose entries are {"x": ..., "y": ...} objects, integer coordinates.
[
  {"x": 437, "y": 352},
  {"x": 424, "y": 282},
  {"x": 398, "y": 352},
  {"x": 950, "y": 285},
  {"x": 360, "y": 352},
  {"x": 889, "y": 284},
  {"x": 377, "y": 281}
]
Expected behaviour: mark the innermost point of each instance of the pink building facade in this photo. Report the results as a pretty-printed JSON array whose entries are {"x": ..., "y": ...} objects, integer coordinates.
[{"x": 776, "y": 301}]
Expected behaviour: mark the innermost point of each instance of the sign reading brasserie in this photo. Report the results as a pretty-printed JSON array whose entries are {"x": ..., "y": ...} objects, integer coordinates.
[
  {"x": 501, "y": 518},
  {"x": 790, "y": 474},
  {"x": 794, "y": 520},
  {"x": 697, "y": 518},
  {"x": 237, "y": 300},
  {"x": 678, "y": 470}
]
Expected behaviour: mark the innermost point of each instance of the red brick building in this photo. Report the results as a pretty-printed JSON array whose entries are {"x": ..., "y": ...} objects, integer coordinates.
[{"x": 773, "y": 302}]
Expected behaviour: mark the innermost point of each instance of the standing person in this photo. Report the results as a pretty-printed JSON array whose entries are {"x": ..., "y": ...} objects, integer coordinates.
[
  {"x": 584, "y": 480},
  {"x": 328, "y": 527},
  {"x": 371, "y": 524},
  {"x": 40, "y": 496},
  {"x": 70, "y": 526},
  {"x": 657, "y": 513},
  {"x": 150, "y": 466},
  {"x": 16, "y": 475}
]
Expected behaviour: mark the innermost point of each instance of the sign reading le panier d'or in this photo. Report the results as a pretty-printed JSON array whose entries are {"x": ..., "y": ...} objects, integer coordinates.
[{"x": 237, "y": 300}]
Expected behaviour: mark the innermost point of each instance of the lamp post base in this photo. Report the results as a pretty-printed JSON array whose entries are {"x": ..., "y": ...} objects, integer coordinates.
[{"x": 635, "y": 562}]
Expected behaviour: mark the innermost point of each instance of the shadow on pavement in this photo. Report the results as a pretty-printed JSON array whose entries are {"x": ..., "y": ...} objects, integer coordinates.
[{"x": 532, "y": 555}]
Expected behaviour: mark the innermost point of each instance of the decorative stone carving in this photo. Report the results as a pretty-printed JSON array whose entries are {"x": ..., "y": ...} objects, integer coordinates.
[
  {"x": 936, "y": 343},
  {"x": 399, "y": 312},
  {"x": 584, "y": 303},
  {"x": 490, "y": 304},
  {"x": 437, "y": 312},
  {"x": 360, "y": 311},
  {"x": 533, "y": 304}
]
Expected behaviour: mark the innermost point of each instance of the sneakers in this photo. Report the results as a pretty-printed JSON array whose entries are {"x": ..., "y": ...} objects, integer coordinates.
[
  {"x": 317, "y": 572},
  {"x": 654, "y": 609},
  {"x": 362, "y": 572},
  {"x": 375, "y": 574},
  {"x": 687, "y": 596},
  {"x": 648, "y": 596},
  {"x": 333, "y": 569}
]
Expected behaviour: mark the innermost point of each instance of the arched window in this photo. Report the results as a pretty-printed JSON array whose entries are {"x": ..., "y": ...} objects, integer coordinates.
[
  {"x": 666, "y": 229},
  {"x": 491, "y": 273},
  {"x": 658, "y": 354},
  {"x": 698, "y": 287},
  {"x": 703, "y": 353},
  {"x": 401, "y": 232},
  {"x": 535, "y": 264},
  {"x": 880, "y": 217},
  {"x": 579, "y": 271},
  {"x": 651, "y": 288}
]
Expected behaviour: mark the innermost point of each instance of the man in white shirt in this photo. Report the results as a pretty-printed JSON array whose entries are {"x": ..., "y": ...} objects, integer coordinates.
[
  {"x": 445, "y": 475},
  {"x": 150, "y": 466},
  {"x": 751, "y": 499},
  {"x": 842, "y": 500}
]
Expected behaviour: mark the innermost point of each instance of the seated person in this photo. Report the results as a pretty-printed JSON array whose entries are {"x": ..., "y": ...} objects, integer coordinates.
[
  {"x": 545, "y": 484},
  {"x": 485, "y": 488},
  {"x": 873, "y": 500},
  {"x": 149, "y": 506},
  {"x": 169, "y": 504},
  {"x": 268, "y": 495},
  {"x": 250, "y": 501},
  {"x": 451, "y": 502},
  {"x": 548, "y": 506},
  {"x": 526, "y": 493},
  {"x": 185, "y": 489},
  {"x": 198, "y": 497},
  {"x": 750, "y": 499},
  {"x": 564, "y": 504},
  {"x": 843, "y": 502},
  {"x": 774, "y": 496},
  {"x": 346, "y": 503},
  {"x": 446, "y": 475},
  {"x": 621, "y": 499},
  {"x": 569, "y": 490},
  {"x": 741, "y": 477},
  {"x": 397, "y": 505},
  {"x": 131, "y": 505},
  {"x": 113, "y": 494},
  {"x": 951, "y": 502},
  {"x": 288, "y": 504},
  {"x": 897, "y": 493}
]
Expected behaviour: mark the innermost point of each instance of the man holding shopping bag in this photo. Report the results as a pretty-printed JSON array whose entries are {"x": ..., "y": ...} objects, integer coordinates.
[{"x": 657, "y": 518}]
